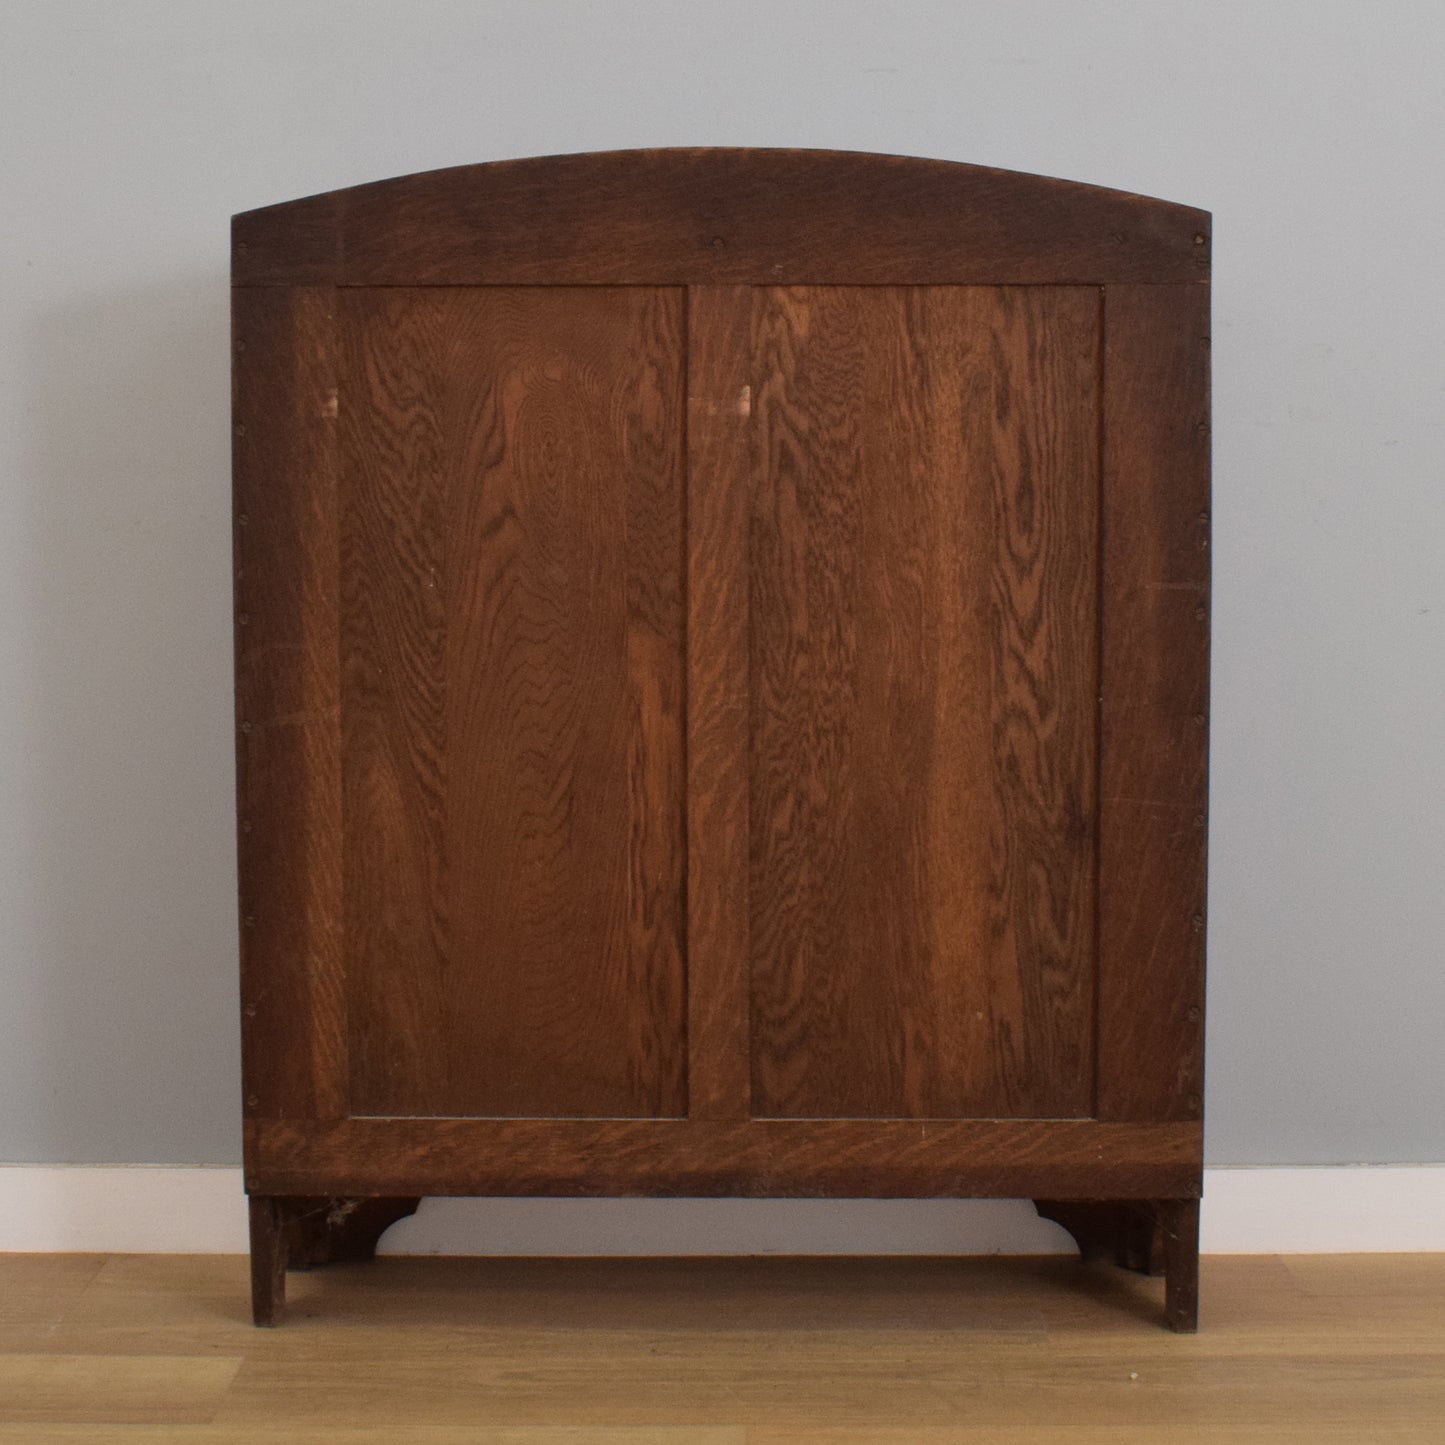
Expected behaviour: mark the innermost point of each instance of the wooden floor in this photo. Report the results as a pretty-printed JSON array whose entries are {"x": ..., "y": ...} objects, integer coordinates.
[{"x": 1320, "y": 1349}]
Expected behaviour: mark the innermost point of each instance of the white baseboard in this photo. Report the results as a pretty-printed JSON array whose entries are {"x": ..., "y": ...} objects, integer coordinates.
[{"x": 150, "y": 1209}]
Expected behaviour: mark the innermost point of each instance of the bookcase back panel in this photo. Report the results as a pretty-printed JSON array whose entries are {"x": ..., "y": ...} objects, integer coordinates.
[{"x": 722, "y": 687}]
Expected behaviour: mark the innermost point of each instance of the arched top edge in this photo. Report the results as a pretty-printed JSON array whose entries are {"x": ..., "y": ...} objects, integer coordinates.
[
  {"x": 880, "y": 163},
  {"x": 719, "y": 215}
]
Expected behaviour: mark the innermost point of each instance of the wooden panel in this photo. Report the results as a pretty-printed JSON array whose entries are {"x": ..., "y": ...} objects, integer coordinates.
[
  {"x": 1154, "y": 735},
  {"x": 512, "y": 709},
  {"x": 862, "y": 1158},
  {"x": 288, "y": 758},
  {"x": 721, "y": 216},
  {"x": 924, "y": 643},
  {"x": 719, "y": 439}
]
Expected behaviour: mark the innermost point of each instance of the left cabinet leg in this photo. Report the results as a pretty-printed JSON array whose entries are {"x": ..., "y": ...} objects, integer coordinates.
[
  {"x": 1179, "y": 1225},
  {"x": 268, "y": 1259},
  {"x": 293, "y": 1231}
]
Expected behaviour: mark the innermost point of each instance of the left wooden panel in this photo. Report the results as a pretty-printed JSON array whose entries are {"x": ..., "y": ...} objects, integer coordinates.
[
  {"x": 294, "y": 1049},
  {"x": 512, "y": 626}
]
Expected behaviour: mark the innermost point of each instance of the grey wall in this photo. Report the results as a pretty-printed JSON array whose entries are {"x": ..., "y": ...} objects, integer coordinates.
[{"x": 130, "y": 132}]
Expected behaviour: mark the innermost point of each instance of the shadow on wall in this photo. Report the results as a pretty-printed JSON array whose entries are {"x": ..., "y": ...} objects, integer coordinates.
[{"x": 129, "y": 1048}]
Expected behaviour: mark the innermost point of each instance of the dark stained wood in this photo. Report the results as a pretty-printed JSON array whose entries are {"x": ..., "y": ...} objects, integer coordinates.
[
  {"x": 293, "y": 244},
  {"x": 1155, "y": 703},
  {"x": 1149, "y": 1236},
  {"x": 849, "y": 1158},
  {"x": 268, "y": 1259},
  {"x": 719, "y": 433},
  {"x": 722, "y": 690},
  {"x": 288, "y": 756},
  {"x": 304, "y": 1232},
  {"x": 1125, "y": 1232},
  {"x": 1179, "y": 1225},
  {"x": 324, "y": 1230},
  {"x": 923, "y": 705},
  {"x": 512, "y": 713},
  {"x": 393, "y": 557},
  {"x": 719, "y": 217}
]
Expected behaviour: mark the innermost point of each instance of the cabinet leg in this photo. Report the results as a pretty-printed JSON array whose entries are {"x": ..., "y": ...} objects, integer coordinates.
[
  {"x": 1151, "y": 1236},
  {"x": 268, "y": 1259},
  {"x": 304, "y": 1232},
  {"x": 1179, "y": 1225}
]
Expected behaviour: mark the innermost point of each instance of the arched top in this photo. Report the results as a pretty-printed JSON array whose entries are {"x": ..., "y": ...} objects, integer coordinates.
[{"x": 720, "y": 216}]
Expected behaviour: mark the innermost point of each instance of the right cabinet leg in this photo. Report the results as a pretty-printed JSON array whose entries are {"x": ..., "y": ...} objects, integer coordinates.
[
  {"x": 1179, "y": 1225},
  {"x": 268, "y": 1259},
  {"x": 1152, "y": 1236}
]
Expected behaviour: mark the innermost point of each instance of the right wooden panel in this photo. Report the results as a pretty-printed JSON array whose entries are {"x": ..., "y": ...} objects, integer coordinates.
[{"x": 923, "y": 730}]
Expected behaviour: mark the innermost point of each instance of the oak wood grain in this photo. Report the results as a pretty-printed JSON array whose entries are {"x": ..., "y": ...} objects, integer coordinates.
[
  {"x": 923, "y": 701},
  {"x": 720, "y": 217},
  {"x": 1155, "y": 703},
  {"x": 785, "y": 696},
  {"x": 513, "y": 706},
  {"x": 288, "y": 753},
  {"x": 394, "y": 529},
  {"x": 838, "y": 1158},
  {"x": 719, "y": 373}
]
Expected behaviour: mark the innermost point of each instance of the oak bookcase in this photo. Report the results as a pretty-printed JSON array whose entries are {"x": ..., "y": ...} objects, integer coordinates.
[{"x": 722, "y": 689}]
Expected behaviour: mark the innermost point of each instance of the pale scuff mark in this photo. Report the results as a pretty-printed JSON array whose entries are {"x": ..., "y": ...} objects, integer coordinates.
[
  {"x": 745, "y": 401},
  {"x": 329, "y": 406}
]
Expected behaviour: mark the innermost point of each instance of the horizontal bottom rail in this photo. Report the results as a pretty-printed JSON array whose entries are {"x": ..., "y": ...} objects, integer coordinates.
[{"x": 761, "y": 1158}]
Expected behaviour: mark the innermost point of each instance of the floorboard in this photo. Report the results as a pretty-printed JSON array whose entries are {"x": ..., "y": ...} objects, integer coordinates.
[{"x": 839, "y": 1351}]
